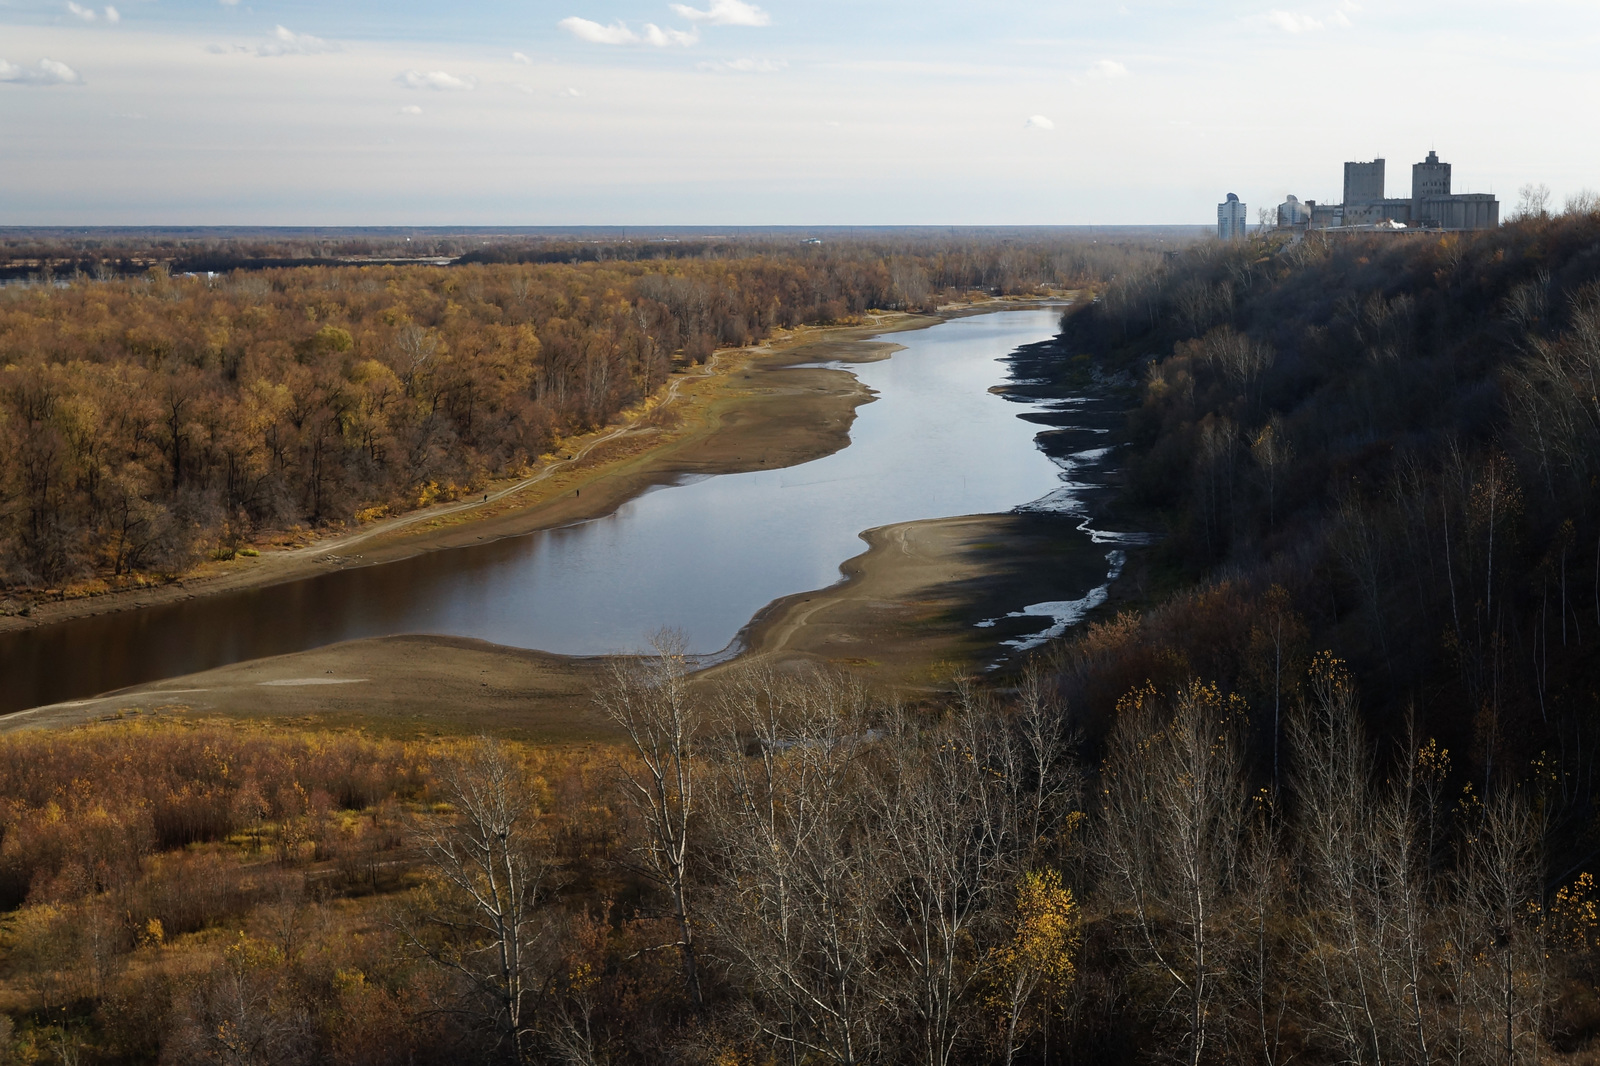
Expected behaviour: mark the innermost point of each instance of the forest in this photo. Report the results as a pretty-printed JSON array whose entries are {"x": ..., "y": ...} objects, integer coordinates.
[
  {"x": 1383, "y": 448},
  {"x": 152, "y": 421},
  {"x": 786, "y": 868},
  {"x": 1316, "y": 786}
]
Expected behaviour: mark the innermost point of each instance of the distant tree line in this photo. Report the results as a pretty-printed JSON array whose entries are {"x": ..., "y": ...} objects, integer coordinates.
[{"x": 44, "y": 256}]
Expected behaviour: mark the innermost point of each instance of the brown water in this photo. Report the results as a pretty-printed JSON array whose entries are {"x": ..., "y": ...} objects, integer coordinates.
[{"x": 702, "y": 556}]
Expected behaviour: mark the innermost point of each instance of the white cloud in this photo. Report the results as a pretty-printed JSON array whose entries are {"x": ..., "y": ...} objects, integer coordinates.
[
  {"x": 288, "y": 43},
  {"x": 667, "y": 38},
  {"x": 569, "y": 93},
  {"x": 48, "y": 72},
  {"x": 725, "y": 13},
  {"x": 518, "y": 57},
  {"x": 1293, "y": 22},
  {"x": 113, "y": 16},
  {"x": 1107, "y": 68},
  {"x": 594, "y": 33},
  {"x": 619, "y": 33},
  {"x": 228, "y": 3},
  {"x": 1038, "y": 122},
  {"x": 437, "y": 80},
  {"x": 744, "y": 66},
  {"x": 85, "y": 13},
  {"x": 524, "y": 89},
  {"x": 410, "y": 109}
]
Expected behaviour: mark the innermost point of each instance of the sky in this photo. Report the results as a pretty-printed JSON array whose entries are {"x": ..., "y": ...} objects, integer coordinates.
[{"x": 787, "y": 112}]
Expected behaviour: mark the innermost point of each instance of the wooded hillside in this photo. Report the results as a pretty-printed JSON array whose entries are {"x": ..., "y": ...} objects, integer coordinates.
[{"x": 1384, "y": 445}]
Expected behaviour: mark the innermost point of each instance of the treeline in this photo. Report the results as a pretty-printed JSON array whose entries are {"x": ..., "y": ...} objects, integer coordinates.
[
  {"x": 48, "y": 256},
  {"x": 781, "y": 868},
  {"x": 146, "y": 423},
  {"x": 1392, "y": 442}
]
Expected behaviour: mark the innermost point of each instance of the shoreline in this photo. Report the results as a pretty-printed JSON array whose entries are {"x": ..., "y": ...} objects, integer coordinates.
[
  {"x": 755, "y": 399},
  {"x": 904, "y": 612},
  {"x": 902, "y": 616}
]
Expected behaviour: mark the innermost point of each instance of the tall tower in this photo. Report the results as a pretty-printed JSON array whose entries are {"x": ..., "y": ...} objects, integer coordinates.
[
  {"x": 1232, "y": 222},
  {"x": 1430, "y": 178},
  {"x": 1430, "y": 183},
  {"x": 1363, "y": 182}
]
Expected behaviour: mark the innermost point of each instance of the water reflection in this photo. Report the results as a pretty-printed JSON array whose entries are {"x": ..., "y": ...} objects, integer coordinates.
[{"x": 703, "y": 556}]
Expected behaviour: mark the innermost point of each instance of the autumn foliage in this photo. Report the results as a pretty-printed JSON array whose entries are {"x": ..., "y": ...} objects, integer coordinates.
[{"x": 147, "y": 422}]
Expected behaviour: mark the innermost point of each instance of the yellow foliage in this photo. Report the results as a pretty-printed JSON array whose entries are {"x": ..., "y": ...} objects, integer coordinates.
[
  {"x": 1575, "y": 915},
  {"x": 1046, "y": 932},
  {"x": 247, "y": 953},
  {"x": 1433, "y": 762}
]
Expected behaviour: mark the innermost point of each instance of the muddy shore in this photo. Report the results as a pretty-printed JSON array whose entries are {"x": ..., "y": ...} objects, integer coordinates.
[
  {"x": 749, "y": 408},
  {"x": 904, "y": 616}
]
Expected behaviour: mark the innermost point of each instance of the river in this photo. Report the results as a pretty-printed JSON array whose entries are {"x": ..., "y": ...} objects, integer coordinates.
[{"x": 703, "y": 555}]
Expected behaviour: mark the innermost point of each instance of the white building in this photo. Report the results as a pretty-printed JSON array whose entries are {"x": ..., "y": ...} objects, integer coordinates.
[
  {"x": 1293, "y": 213},
  {"x": 1232, "y": 223}
]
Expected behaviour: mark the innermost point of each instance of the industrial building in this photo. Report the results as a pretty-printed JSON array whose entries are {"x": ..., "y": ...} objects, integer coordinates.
[{"x": 1431, "y": 206}]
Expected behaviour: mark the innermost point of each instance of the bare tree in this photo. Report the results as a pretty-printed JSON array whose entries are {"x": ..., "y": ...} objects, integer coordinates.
[
  {"x": 1272, "y": 452},
  {"x": 1264, "y": 990},
  {"x": 943, "y": 828},
  {"x": 1175, "y": 810},
  {"x": 1276, "y": 640},
  {"x": 1043, "y": 781},
  {"x": 797, "y": 906},
  {"x": 1500, "y": 885},
  {"x": 1583, "y": 202},
  {"x": 489, "y": 863},
  {"x": 648, "y": 698},
  {"x": 1344, "y": 921},
  {"x": 1533, "y": 201}
]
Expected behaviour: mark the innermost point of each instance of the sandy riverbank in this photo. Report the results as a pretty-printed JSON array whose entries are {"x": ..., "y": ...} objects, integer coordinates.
[
  {"x": 904, "y": 616},
  {"x": 750, "y": 408}
]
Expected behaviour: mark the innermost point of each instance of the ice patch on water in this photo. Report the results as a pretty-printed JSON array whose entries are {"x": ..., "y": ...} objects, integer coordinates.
[{"x": 1063, "y": 614}]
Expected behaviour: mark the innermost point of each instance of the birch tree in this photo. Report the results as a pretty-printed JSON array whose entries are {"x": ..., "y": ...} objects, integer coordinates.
[
  {"x": 1175, "y": 808},
  {"x": 648, "y": 698}
]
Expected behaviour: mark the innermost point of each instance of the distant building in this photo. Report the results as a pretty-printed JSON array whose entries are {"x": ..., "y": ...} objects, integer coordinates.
[
  {"x": 1364, "y": 203},
  {"x": 1293, "y": 213},
  {"x": 1232, "y": 222},
  {"x": 1363, "y": 182},
  {"x": 1431, "y": 205},
  {"x": 1430, "y": 179},
  {"x": 1294, "y": 217}
]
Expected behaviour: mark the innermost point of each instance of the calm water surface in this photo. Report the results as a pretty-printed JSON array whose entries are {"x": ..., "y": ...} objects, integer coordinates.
[{"x": 703, "y": 556}]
